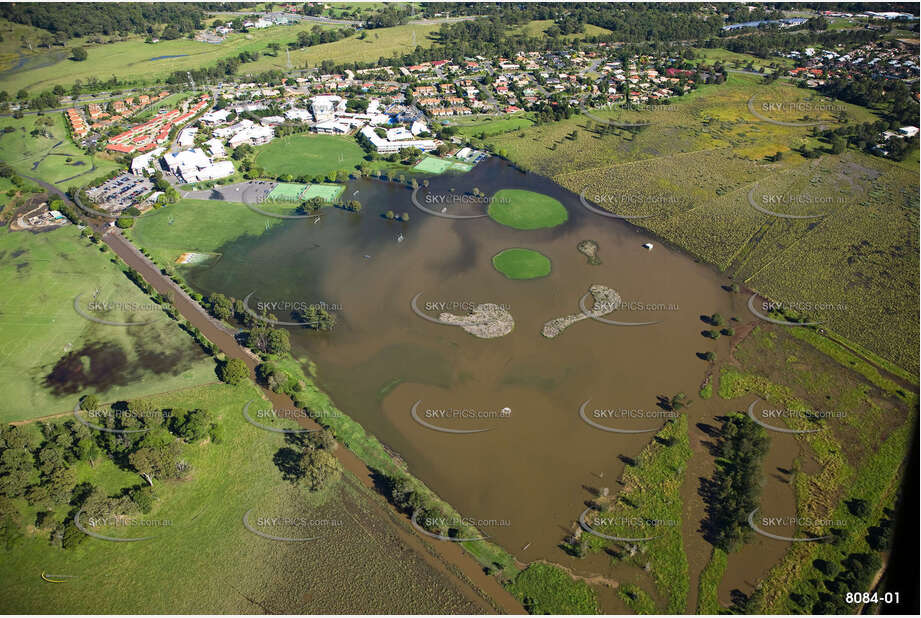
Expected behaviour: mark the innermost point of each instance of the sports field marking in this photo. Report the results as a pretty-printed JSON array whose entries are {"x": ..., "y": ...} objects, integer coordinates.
[
  {"x": 287, "y": 191},
  {"x": 328, "y": 193}
]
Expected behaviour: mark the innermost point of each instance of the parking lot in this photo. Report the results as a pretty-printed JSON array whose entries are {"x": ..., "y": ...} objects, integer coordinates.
[
  {"x": 121, "y": 192},
  {"x": 251, "y": 192}
]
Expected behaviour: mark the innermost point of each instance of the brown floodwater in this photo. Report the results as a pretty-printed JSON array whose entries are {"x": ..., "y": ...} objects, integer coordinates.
[{"x": 531, "y": 472}]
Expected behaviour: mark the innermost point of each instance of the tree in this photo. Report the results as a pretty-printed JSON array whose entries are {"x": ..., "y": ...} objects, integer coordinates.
[
  {"x": 78, "y": 53},
  {"x": 319, "y": 469},
  {"x": 160, "y": 462},
  {"x": 275, "y": 47},
  {"x": 233, "y": 371},
  {"x": 192, "y": 425},
  {"x": 220, "y": 306}
]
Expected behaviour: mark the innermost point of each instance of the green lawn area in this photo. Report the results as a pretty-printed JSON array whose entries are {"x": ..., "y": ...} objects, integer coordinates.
[
  {"x": 197, "y": 225},
  {"x": 436, "y": 165},
  {"x": 377, "y": 43},
  {"x": 132, "y": 60},
  {"x": 537, "y": 28},
  {"x": 327, "y": 193},
  {"x": 46, "y": 157},
  {"x": 309, "y": 155},
  {"x": 286, "y": 191},
  {"x": 526, "y": 210},
  {"x": 521, "y": 263},
  {"x": 489, "y": 126},
  {"x": 547, "y": 589},
  {"x": 205, "y": 561},
  {"x": 50, "y": 355}
]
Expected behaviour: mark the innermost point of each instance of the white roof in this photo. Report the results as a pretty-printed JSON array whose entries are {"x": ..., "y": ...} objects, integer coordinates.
[
  {"x": 398, "y": 134},
  {"x": 216, "y": 116},
  {"x": 193, "y": 158}
]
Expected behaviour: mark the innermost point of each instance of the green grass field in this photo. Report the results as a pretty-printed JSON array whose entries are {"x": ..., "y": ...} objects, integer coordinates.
[
  {"x": 197, "y": 225},
  {"x": 55, "y": 159},
  {"x": 526, "y": 210},
  {"x": 488, "y": 126},
  {"x": 538, "y": 28},
  {"x": 132, "y": 59},
  {"x": 286, "y": 191},
  {"x": 206, "y": 561},
  {"x": 50, "y": 355},
  {"x": 309, "y": 155},
  {"x": 436, "y": 165},
  {"x": 328, "y": 193},
  {"x": 547, "y": 589},
  {"x": 521, "y": 263}
]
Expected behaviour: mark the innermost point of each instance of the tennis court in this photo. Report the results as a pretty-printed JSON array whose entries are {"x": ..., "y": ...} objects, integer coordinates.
[
  {"x": 436, "y": 165},
  {"x": 328, "y": 193},
  {"x": 286, "y": 191}
]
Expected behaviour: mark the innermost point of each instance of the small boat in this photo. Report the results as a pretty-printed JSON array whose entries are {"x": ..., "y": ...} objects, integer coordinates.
[
  {"x": 400, "y": 238},
  {"x": 317, "y": 220},
  {"x": 647, "y": 246},
  {"x": 366, "y": 256}
]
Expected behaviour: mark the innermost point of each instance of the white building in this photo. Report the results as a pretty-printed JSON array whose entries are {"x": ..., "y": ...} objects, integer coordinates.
[
  {"x": 271, "y": 121},
  {"x": 195, "y": 166},
  {"x": 216, "y": 148},
  {"x": 186, "y": 137},
  {"x": 385, "y": 146},
  {"x": 144, "y": 163},
  {"x": 325, "y": 107},
  {"x": 332, "y": 127},
  {"x": 398, "y": 134},
  {"x": 254, "y": 136},
  {"x": 233, "y": 129},
  {"x": 216, "y": 117},
  {"x": 300, "y": 115},
  {"x": 419, "y": 127}
]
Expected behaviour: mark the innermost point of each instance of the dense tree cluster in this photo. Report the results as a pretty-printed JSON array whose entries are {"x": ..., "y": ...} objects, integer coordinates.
[
  {"x": 736, "y": 486},
  {"x": 891, "y": 95},
  {"x": 765, "y": 44},
  {"x": 80, "y": 20},
  {"x": 40, "y": 468}
]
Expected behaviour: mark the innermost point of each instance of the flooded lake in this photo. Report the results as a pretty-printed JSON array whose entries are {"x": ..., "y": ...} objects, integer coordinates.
[{"x": 532, "y": 469}]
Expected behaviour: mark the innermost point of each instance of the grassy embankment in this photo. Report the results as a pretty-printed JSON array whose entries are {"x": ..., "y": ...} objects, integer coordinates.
[{"x": 651, "y": 494}]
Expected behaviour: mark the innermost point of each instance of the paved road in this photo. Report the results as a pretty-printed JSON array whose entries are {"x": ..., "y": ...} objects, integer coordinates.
[{"x": 252, "y": 192}]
